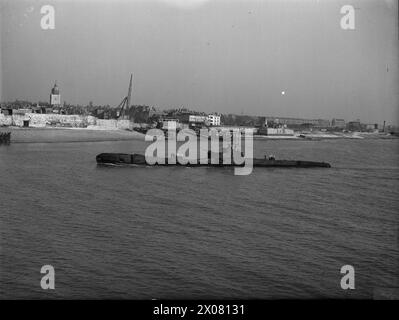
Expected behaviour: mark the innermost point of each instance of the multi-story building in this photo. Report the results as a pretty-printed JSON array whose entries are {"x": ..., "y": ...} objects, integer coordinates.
[
  {"x": 338, "y": 123},
  {"x": 197, "y": 121},
  {"x": 22, "y": 111},
  {"x": 354, "y": 126},
  {"x": 279, "y": 131},
  {"x": 197, "y": 118},
  {"x": 170, "y": 124},
  {"x": 214, "y": 120},
  {"x": 323, "y": 123},
  {"x": 371, "y": 127},
  {"x": 299, "y": 122}
]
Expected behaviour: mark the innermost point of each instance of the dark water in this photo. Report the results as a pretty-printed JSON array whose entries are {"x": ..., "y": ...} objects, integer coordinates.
[{"x": 200, "y": 232}]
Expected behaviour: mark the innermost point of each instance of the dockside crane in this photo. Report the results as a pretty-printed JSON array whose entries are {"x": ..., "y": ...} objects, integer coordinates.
[{"x": 125, "y": 103}]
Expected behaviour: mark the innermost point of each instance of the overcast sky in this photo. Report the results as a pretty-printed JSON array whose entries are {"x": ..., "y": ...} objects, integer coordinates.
[{"x": 227, "y": 56}]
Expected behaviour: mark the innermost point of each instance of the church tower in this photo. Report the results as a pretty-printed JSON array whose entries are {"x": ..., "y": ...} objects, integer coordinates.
[{"x": 55, "y": 97}]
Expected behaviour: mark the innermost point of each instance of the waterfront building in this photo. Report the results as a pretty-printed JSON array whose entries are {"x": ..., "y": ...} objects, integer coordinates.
[
  {"x": 214, "y": 120},
  {"x": 323, "y": 123},
  {"x": 296, "y": 122},
  {"x": 338, "y": 123},
  {"x": 282, "y": 131},
  {"x": 197, "y": 121},
  {"x": 22, "y": 111},
  {"x": 275, "y": 130},
  {"x": 197, "y": 118},
  {"x": 7, "y": 111},
  {"x": 371, "y": 127},
  {"x": 354, "y": 126},
  {"x": 170, "y": 124}
]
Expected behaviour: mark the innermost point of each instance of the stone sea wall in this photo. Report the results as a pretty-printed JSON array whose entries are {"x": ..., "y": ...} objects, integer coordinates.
[
  {"x": 113, "y": 124},
  {"x": 38, "y": 120},
  {"x": 5, "y": 120}
]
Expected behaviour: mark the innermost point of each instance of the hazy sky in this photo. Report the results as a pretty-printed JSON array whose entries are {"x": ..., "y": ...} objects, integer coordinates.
[{"x": 226, "y": 56}]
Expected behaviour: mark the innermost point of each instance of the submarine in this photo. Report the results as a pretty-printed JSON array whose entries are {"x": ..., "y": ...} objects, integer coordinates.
[{"x": 139, "y": 159}]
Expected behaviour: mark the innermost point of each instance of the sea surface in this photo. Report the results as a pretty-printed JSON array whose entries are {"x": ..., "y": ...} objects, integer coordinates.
[{"x": 175, "y": 232}]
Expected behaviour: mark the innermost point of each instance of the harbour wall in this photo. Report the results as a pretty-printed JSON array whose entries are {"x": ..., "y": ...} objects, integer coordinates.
[
  {"x": 5, "y": 120},
  {"x": 38, "y": 120},
  {"x": 112, "y": 124}
]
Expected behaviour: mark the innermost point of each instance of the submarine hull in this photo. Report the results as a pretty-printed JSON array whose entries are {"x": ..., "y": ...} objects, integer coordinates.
[{"x": 138, "y": 159}]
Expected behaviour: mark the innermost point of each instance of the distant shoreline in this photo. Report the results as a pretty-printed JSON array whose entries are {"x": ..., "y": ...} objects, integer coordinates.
[{"x": 60, "y": 135}]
